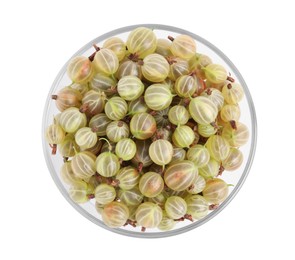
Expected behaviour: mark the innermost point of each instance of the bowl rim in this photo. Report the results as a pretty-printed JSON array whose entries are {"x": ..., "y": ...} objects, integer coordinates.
[{"x": 241, "y": 179}]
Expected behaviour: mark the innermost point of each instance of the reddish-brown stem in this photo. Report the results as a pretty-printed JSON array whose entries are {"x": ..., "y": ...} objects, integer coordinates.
[
  {"x": 191, "y": 187},
  {"x": 91, "y": 196},
  {"x": 219, "y": 131},
  {"x": 171, "y": 60},
  {"x": 179, "y": 219},
  {"x": 99, "y": 178},
  {"x": 229, "y": 86},
  {"x": 229, "y": 78},
  {"x": 120, "y": 124},
  {"x": 213, "y": 206},
  {"x": 133, "y": 57},
  {"x": 96, "y": 47},
  {"x": 194, "y": 72},
  {"x": 221, "y": 170},
  {"x": 139, "y": 167},
  {"x": 91, "y": 57},
  {"x": 189, "y": 217},
  {"x": 186, "y": 101},
  {"x": 153, "y": 113},
  {"x": 54, "y": 148},
  {"x": 209, "y": 91},
  {"x": 158, "y": 135},
  {"x": 94, "y": 129},
  {"x": 114, "y": 89},
  {"x": 170, "y": 38},
  {"x": 65, "y": 159},
  {"x": 214, "y": 125},
  {"x": 233, "y": 124},
  {"x": 140, "y": 62},
  {"x": 195, "y": 95},
  {"x": 54, "y": 97},
  {"x": 143, "y": 229},
  {"x": 112, "y": 182},
  {"x": 130, "y": 222},
  {"x": 84, "y": 108}
]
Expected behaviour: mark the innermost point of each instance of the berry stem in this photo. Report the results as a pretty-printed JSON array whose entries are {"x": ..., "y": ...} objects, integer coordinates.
[
  {"x": 213, "y": 206},
  {"x": 120, "y": 124},
  {"x": 96, "y": 47},
  {"x": 112, "y": 182},
  {"x": 209, "y": 91},
  {"x": 179, "y": 219},
  {"x": 133, "y": 57},
  {"x": 139, "y": 167},
  {"x": 195, "y": 94},
  {"x": 170, "y": 38},
  {"x": 54, "y": 148},
  {"x": 54, "y": 97},
  {"x": 192, "y": 73},
  {"x": 110, "y": 146},
  {"x": 229, "y": 86},
  {"x": 74, "y": 148},
  {"x": 114, "y": 89},
  {"x": 191, "y": 187},
  {"x": 91, "y": 57},
  {"x": 153, "y": 112},
  {"x": 221, "y": 170},
  {"x": 189, "y": 217},
  {"x": 214, "y": 125},
  {"x": 130, "y": 222},
  {"x": 91, "y": 196},
  {"x": 94, "y": 129},
  {"x": 171, "y": 60},
  {"x": 83, "y": 108},
  {"x": 229, "y": 78},
  {"x": 140, "y": 62},
  {"x": 233, "y": 124},
  {"x": 143, "y": 229},
  {"x": 99, "y": 178},
  {"x": 186, "y": 101}
]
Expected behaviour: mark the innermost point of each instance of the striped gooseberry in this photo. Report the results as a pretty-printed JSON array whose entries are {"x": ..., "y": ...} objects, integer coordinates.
[
  {"x": 67, "y": 97},
  {"x": 142, "y": 126},
  {"x": 161, "y": 152},
  {"x": 180, "y": 175},
  {"x": 151, "y": 184}
]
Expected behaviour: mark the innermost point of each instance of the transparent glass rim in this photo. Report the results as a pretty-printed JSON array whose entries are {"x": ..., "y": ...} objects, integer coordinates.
[{"x": 232, "y": 194}]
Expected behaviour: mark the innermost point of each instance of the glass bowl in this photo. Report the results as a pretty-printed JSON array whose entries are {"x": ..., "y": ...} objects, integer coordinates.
[{"x": 235, "y": 178}]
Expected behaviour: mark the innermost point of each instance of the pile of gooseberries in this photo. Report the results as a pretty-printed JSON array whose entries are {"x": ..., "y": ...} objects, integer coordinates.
[{"x": 146, "y": 129}]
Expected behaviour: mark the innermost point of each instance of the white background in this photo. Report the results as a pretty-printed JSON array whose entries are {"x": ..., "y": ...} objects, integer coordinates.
[{"x": 37, "y": 37}]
